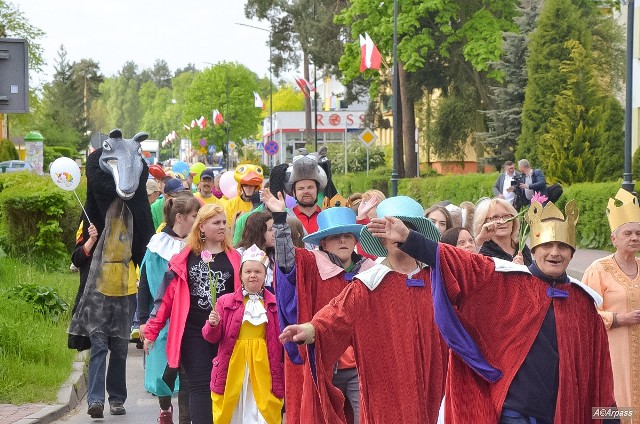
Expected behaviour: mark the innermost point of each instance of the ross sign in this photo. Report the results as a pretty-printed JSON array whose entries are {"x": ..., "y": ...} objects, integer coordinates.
[
  {"x": 367, "y": 137},
  {"x": 271, "y": 147}
]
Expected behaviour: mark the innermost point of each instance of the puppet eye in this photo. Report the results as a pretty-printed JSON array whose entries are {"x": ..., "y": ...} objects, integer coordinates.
[
  {"x": 106, "y": 145},
  {"x": 242, "y": 169},
  {"x": 259, "y": 170}
]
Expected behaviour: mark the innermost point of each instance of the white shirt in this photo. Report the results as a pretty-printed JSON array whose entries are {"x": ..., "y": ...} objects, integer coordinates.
[{"x": 509, "y": 196}]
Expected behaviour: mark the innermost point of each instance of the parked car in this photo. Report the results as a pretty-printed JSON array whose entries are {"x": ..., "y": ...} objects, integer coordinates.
[{"x": 15, "y": 166}]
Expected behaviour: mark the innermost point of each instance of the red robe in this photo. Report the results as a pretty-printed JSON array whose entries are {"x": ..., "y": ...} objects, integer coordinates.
[
  {"x": 317, "y": 281},
  {"x": 503, "y": 312},
  {"x": 401, "y": 357}
]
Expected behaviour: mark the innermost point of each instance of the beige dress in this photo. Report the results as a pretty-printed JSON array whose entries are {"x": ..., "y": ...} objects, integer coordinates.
[{"x": 621, "y": 295}]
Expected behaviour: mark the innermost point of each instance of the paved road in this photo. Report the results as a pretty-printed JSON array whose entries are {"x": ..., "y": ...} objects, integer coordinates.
[{"x": 141, "y": 406}]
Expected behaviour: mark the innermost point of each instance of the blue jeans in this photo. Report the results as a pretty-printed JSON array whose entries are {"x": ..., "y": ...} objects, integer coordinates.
[
  {"x": 513, "y": 417},
  {"x": 116, "y": 373}
]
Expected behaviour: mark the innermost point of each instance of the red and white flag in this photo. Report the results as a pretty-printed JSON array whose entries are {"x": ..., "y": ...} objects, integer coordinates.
[
  {"x": 217, "y": 117},
  {"x": 186, "y": 127},
  {"x": 202, "y": 122},
  {"x": 193, "y": 123},
  {"x": 305, "y": 86},
  {"x": 369, "y": 54},
  {"x": 257, "y": 101}
]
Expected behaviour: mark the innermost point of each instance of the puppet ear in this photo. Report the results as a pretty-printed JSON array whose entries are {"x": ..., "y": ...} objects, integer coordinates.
[
  {"x": 141, "y": 136},
  {"x": 115, "y": 133}
]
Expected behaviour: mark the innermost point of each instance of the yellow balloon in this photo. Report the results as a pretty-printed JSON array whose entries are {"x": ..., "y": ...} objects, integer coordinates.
[{"x": 196, "y": 169}]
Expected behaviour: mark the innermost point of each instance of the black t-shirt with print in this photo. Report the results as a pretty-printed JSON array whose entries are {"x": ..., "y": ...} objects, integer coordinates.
[{"x": 199, "y": 287}]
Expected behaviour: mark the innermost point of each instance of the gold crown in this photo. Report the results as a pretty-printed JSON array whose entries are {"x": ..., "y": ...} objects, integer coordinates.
[
  {"x": 548, "y": 224},
  {"x": 628, "y": 211},
  {"x": 336, "y": 200}
]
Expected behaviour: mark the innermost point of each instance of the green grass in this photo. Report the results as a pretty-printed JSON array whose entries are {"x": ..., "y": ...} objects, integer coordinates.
[{"x": 34, "y": 358}]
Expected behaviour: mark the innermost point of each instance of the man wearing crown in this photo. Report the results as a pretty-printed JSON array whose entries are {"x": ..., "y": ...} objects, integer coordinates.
[
  {"x": 617, "y": 279},
  {"x": 527, "y": 343}
]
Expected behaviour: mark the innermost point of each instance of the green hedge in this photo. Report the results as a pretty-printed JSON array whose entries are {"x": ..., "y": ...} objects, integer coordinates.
[
  {"x": 592, "y": 198},
  {"x": 38, "y": 220}
]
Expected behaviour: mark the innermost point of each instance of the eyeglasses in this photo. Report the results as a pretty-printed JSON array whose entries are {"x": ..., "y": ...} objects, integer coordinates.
[{"x": 499, "y": 218}]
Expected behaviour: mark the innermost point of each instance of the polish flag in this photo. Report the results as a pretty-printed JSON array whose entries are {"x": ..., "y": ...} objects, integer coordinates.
[
  {"x": 305, "y": 86},
  {"x": 217, "y": 117},
  {"x": 174, "y": 135},
  {"x": 369, "y": 54},
  {"x": 202, "y": 122},
  {"x": 257, "y": 101},
  {"x": 193, "y": 123}
]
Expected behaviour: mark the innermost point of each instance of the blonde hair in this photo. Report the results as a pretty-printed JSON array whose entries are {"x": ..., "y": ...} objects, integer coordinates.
[
  {"x": 370, "y": 193},
  {"x": 204, "y": 214},
  {"x": 482, "y": 210}
]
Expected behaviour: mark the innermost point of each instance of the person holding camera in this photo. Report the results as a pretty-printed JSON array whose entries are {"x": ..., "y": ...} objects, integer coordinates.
[{"x": 504, "y": 188}]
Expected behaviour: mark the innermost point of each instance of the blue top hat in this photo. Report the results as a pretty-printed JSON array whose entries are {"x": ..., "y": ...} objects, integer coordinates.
[
  {"x": 332, "y": 221},
  {"x": 408, "y": 211}
]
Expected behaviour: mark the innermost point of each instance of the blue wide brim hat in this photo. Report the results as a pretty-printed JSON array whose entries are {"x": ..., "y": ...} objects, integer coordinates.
[
  {"x": 405, "y": 209},
  {"x": 338, "y": 220}
]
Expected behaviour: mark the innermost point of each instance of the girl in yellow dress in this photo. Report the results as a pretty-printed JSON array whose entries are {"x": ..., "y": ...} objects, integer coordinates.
[{"x": 247, "y": 379}]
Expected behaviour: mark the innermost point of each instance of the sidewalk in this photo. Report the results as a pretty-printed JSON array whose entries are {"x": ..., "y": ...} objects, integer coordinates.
[{"x": 75, "y": 388}]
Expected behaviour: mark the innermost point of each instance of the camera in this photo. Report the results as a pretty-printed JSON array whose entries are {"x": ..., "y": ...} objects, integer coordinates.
[{"x": 520, "y": 200}]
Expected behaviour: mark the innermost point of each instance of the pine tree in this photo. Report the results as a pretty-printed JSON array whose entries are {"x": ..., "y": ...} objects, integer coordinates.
[
  {"x": 559, "y": 22},
  {"x": 61, "y": 117},
  {"x": 504, "y": 121},
  {"x": 576, "y": 130}
]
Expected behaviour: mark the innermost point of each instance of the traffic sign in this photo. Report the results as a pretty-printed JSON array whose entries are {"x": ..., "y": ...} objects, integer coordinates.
[
  {"x": 232, "y": 145},
  {"x": 259, "y": 145},
  {"x": 367, "y": 137},
  {"x": 271, "y": 147}
]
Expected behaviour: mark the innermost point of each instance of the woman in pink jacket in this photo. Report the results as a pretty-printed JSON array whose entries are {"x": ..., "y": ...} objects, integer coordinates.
[
  {"x": 207, "y": 267},
  {"x": 247, "y": 379}
]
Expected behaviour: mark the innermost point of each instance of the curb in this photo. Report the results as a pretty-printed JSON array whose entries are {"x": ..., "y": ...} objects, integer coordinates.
[{"x": 69, "y": 395}]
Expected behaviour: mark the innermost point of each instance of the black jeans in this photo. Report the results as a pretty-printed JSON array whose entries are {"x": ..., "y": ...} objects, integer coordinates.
[{"x": 197, "y": 359}]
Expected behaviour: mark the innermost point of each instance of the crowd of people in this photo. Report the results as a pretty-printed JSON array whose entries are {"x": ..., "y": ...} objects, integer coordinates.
[{"x": 290, "y": 301}]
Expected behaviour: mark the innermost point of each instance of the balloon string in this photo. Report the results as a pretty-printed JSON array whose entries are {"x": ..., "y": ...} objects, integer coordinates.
[{"x": 85, "y": 212}]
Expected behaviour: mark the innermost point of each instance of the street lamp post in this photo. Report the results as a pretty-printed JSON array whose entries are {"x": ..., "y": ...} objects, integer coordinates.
[
  {"x": 270, "y": 75},
  {"x": 396, "y": 102},
  {"x": 627, "y": 177}
]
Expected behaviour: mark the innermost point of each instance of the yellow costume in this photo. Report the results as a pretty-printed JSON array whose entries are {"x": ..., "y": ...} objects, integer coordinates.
[{"x": 247, "y": 394}]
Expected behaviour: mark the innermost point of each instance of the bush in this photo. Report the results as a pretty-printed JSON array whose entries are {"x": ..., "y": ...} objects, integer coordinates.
[
  {"x": 38, "y": 220},
  {"x": 43, "y": 300},
  {"x": 7, "y": 150},
  {"x": 592, "y": 198}
]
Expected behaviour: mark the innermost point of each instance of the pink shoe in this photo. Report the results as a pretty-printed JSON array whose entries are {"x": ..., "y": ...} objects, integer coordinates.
[{"x": 166, "y": 417}]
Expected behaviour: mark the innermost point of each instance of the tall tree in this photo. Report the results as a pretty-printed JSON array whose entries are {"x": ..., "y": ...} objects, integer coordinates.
[
  {"x": 61, "y": 116},
  {"x": 559, "y": 22},
  {"x": 14, "y": 24},
  {"x": 462, "y": 35},
  {"x": 209, "y": 90},
  {"x": 576, "y": 129},
  {"x": 87, "y": 77},
  {"x": 504, "y": 120},
  {"x": 161, "y": 74}
]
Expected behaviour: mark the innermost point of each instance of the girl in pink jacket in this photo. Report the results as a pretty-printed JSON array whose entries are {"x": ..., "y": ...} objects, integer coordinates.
[{"x": 247, "y": 379}]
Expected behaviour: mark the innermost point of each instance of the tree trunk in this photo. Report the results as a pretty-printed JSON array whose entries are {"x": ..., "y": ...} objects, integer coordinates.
[
  {"x": 307, "y": 103},
  {"x": 408, "y": 125}
]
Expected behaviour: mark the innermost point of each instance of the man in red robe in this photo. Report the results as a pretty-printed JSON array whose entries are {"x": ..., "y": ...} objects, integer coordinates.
[
  {"x": 527, "y": 344},
  {"x": 305, "y": 282},
  {"x": 386, "y": 314}
]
